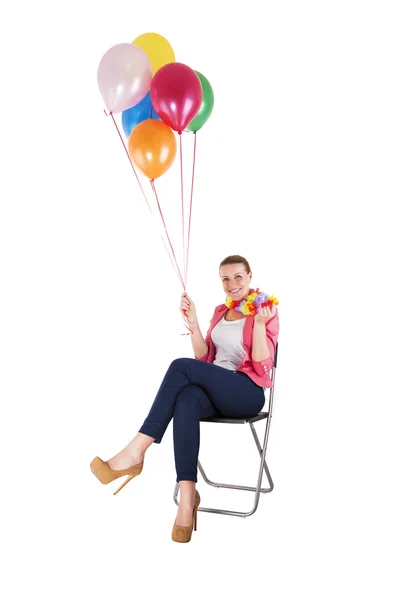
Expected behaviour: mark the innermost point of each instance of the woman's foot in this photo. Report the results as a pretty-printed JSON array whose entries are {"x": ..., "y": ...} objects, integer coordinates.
[
  {"x": 132, "y": 454},
  {"x": 105, "y": 474},
  {"x": 124, "y": 460},
  {"x": 181, "y": 531}
]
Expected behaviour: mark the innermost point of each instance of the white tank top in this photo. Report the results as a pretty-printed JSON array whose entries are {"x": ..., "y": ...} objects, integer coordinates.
[{"x": 227, "y": 337}]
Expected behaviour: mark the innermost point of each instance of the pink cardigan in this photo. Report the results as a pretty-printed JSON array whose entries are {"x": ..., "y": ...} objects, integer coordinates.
[{"x": 258, "y": 371}]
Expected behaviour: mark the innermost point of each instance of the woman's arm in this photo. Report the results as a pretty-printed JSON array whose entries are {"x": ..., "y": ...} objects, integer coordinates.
[
  {"x": 264, "y": 340},
  {"x": 187, "y": 308},
  {"x": 260, "y": 347},
  {"x": 200, "y": 347}
]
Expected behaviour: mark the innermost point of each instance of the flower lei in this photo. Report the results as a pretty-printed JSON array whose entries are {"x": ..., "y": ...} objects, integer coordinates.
[{"x": 253, "y": 302}]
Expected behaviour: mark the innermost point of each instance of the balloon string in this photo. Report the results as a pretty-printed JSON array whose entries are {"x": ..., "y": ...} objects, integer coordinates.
[
  {"x": 182, "y": 203},
  {"x": 166, "y": 231},
  {"x": 174, "y": 264},
  {"x": 141, "y": 187},
  {"x": 128, "y": 155},
  {"x": 185, "y": 319},
  {"x": 191, "y": 204}
]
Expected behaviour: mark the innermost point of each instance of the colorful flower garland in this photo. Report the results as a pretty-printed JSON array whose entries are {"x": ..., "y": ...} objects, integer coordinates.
[{"x": 253, "y": 302}]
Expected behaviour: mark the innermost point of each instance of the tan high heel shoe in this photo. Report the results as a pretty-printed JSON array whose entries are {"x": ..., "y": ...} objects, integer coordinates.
[
  {"x": 182, "y": 533},
  {"x": 105, "y": 474}
]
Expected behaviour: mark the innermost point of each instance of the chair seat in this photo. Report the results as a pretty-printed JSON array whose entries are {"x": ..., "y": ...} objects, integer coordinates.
[{"x": 258, "y": 417}]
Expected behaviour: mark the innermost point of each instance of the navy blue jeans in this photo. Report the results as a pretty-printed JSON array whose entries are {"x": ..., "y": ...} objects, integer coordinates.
[{"x": 192, "y": 390}]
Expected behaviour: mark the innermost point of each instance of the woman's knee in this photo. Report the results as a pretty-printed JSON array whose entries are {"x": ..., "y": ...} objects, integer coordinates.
[
  {"x": 194, "y": 401},
  {"x": 181, "y": 363},
  {"x": 190, "y": 395}
]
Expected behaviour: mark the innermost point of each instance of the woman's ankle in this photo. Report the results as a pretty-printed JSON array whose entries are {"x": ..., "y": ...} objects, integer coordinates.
[
  {"x": 139, "y": 445},
  {"x": 132, "y": 454},
  {"x": 187, "y": 492},
  {"x": 125, "y": 459}
]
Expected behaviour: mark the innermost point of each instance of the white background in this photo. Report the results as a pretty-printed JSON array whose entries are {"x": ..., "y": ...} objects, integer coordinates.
[{"x": 297, "y": 171}]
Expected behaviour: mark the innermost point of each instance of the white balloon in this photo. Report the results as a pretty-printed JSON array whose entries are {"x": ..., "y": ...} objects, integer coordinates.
[{"x": 124, "y": 76}]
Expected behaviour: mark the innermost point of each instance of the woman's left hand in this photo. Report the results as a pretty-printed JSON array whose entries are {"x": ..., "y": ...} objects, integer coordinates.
[{"x": 265, "y": 314}]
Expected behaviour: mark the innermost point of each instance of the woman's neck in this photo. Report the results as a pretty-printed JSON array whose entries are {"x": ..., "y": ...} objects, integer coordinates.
[{"x": 232, "y": 315}]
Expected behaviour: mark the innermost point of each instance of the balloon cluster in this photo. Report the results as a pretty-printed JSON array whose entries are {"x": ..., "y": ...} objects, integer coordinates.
[{"x": 156, "y": 95}]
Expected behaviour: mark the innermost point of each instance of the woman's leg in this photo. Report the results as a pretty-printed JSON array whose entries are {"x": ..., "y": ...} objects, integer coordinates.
[
  {"x": 192, "y": 405},
  {"x": 230, "y": 393}
]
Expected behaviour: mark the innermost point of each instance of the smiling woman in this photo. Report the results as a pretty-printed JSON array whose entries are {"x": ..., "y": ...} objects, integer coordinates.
[
  {"x": 226, "y": 378},
  {"x": 235, "y": 275}
]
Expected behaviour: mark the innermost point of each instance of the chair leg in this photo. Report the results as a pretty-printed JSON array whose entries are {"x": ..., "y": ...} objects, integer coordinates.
[
  {"x": 237, "y": 487},
  {"x": 257, "y": 489},
  {"x": 262, "y": 453}
]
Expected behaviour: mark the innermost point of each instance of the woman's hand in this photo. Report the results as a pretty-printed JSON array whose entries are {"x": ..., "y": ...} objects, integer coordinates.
[
  {"x": 187, "y": 307},
  {"x": 265, "y": 314}
]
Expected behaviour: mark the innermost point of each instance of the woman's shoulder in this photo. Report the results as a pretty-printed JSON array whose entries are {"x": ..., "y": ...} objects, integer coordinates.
[{"x": 220, "y": 308}]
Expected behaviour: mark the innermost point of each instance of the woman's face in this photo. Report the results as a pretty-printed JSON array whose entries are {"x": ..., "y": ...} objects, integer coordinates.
[{"x": 236, "y": 281}]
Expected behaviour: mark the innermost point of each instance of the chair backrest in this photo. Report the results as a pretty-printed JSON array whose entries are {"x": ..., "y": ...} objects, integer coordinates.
[{"x": 273, "y": 378}]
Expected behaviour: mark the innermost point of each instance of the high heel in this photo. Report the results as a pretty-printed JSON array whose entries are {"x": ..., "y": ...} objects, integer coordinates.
[
  {"x": 182, "y": 533},
  {"x": 105, "y": 474}
]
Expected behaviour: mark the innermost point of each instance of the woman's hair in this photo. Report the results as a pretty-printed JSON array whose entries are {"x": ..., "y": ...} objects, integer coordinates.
[{"x": 234, "y": 259}]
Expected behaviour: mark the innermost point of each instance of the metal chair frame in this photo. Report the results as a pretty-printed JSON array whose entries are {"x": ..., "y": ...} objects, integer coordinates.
[{"x": 267, "y": 416}]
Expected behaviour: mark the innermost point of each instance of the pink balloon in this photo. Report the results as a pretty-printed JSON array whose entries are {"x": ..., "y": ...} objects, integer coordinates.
[
  {"x": 176, "y": 94},
  {"x": 124, "y": 76}
]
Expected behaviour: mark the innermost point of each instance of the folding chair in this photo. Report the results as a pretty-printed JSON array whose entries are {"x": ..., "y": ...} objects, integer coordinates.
[{"x": 262, "y": 452}]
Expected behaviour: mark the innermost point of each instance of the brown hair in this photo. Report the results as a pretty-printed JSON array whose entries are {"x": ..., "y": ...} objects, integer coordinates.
[{"x": 234, "y": 259}]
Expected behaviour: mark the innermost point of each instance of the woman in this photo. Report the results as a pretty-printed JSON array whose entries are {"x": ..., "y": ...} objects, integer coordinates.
[{"x": 227, "y": 376}]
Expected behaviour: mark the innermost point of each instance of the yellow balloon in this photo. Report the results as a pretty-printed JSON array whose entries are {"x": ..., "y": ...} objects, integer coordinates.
[{"x": 157, "y": 48}]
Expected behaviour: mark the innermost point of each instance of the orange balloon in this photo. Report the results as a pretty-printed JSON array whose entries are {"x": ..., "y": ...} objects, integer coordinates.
[{"x": 152, "y": 147}]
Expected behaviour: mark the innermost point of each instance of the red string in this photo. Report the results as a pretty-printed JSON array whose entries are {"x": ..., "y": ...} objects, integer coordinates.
[
  {"x": 141, "y": 187},
  {"x": 166, "y": 231},
  {"x": 128, "y": 155},
  {"x": 182, "y": 203},
  {"x": 174, "y": 264},
  {"x": 185, "y": 319},
  {"x": 191, "y": 205}
]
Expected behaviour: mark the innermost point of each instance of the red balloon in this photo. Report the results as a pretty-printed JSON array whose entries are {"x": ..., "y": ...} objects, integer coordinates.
[{"x": 176, "y": 95}]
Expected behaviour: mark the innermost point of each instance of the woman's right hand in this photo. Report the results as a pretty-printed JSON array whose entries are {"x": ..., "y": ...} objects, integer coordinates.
[{"x": 187, "y": 307}]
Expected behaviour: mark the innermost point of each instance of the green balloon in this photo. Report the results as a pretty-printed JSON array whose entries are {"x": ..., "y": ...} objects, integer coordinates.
[{"x": 206, "y": 105}]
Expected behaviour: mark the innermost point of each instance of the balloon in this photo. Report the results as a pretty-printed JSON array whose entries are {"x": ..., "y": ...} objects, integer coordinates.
[
  {"x": 152, "y": 147},
  {"x": 124, "y": 76},
  {"x": 176, "y": 94},
  {"x": 206, "y": 105},
  {"x": 157, "y": 48},
  {"x": 134, "y": 115}
]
